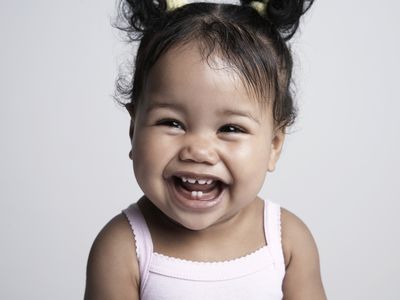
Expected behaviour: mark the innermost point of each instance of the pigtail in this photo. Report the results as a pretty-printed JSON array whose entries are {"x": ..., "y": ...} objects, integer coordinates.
[
  {"x": 135, "y": 17},
  {"x": 283, "y": 15}
]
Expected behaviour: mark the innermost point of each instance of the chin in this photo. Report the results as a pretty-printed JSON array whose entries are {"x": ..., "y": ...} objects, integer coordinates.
[{"x": 195, "y": 225}]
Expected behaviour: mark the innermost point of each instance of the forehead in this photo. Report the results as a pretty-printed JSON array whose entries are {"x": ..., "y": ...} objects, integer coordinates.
[
  {"x": 182, "y": 73},
  {"x": 183, "y": 67}
]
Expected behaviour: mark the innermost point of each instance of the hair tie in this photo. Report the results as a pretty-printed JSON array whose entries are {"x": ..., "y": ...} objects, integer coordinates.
[
  {"x": 260, "y": 6},
  {"x": 174, "y": 4}
]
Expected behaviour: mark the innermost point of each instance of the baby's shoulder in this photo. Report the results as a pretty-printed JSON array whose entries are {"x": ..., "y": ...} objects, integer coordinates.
[
  {"x": 116, "y": 236},
  {"x": 296, "y": 237},
  {"x": 112, "y": 267},
  {"x": 302, "y": 276}
]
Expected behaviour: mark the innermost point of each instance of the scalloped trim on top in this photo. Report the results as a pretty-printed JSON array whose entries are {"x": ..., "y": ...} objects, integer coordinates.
[
  {"x": 182, "y": 260},
  {"x": 134, "y": 234}
]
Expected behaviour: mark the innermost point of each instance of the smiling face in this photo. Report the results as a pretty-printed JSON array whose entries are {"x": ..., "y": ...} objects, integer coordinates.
[{"x": 201, "y": 146}]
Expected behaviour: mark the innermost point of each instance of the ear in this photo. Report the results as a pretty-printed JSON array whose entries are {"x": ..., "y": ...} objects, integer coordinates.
[
  {"x": 131, "y": 129},
  {"x": 276, "y": 149},
  {"x": 131, "y": 126},
  {"x": 130, "y": 154}
]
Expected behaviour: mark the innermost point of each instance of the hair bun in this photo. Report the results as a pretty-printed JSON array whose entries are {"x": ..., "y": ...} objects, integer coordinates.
[
  {"x": 137, "y": 16},
  {"x": 285, "y": 15}
]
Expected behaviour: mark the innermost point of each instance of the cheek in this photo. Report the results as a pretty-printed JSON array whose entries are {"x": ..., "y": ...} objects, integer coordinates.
[
  {"x": 147, "y": 167},
  {"x": 145, "y": 143},
  {"x": 248, "y": 163},
  {"x": 151, "y": 153},
  {"x": 249, "y": 155}
]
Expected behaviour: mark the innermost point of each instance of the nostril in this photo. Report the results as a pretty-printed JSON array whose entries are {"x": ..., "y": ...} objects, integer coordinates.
[{"x": 199, "y": 153}]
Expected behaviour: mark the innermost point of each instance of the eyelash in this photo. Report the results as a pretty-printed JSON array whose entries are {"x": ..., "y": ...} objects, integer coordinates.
[
  {"x": 176, "y": 124},
  {"x": 170, "y": 123},
  {"x": 232, "y": 129}
]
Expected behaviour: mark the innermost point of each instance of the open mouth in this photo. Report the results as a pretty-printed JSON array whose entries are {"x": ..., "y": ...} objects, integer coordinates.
[{"x": 197, "y": 193}]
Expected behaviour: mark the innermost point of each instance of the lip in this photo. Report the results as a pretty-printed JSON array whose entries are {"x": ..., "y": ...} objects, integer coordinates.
[{"x": 184, "y": 200}]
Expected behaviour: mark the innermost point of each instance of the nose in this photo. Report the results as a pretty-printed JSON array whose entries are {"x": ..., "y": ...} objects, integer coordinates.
[{"x": 199, "y": 149}]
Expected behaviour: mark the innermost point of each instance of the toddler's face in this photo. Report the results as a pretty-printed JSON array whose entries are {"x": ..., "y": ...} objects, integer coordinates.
[{"x": 201, "y": 147}]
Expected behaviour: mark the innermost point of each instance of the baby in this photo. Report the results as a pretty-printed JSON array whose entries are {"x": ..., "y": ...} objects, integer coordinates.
[{"x": 209, "y": 103}]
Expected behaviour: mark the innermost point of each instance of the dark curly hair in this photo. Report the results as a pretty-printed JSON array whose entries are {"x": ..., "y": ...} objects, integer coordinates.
[{"x": 252, "y": 44}]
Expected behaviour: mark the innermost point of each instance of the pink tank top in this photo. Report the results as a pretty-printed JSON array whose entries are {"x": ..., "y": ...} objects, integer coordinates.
[{"x": 258, "y": 275}]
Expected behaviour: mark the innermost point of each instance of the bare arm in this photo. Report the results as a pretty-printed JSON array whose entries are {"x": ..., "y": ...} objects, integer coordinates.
[
  {"x": 112, "y": 269},
  {"x": 303, "y": 279}
]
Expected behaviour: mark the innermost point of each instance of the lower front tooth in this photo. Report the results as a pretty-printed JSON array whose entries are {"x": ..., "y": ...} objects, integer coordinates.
[{"x": 196, "y": 194}]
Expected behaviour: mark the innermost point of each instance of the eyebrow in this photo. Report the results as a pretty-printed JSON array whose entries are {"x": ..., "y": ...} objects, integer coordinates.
[
  {"x": 155, "y": 105},
  {"x": 240, "y": 113}
]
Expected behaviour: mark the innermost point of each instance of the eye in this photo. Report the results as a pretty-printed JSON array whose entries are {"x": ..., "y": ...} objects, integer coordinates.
[
  {"x": 170, "y": 123},
  {"x": 230, "y": 128}
]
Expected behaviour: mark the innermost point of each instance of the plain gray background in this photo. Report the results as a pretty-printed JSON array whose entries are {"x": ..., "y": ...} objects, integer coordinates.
[{"x": 64, "y": 167}]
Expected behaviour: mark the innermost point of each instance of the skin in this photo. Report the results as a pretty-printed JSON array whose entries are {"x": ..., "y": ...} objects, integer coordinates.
[{"x": 222, "y": 131}]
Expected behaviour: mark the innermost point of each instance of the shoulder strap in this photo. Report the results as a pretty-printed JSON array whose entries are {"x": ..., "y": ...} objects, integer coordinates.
[
  {"x": 144, "y": 244},
  {"x": 272, "y": 229}
]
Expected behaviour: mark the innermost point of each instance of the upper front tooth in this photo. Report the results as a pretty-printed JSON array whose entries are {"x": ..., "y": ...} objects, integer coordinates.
[
  {"x": 199, "y": 181},
  {"x": 191, "y": 180}
]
